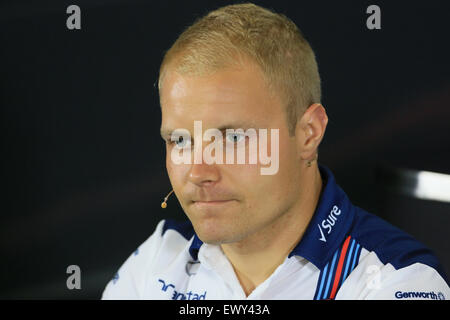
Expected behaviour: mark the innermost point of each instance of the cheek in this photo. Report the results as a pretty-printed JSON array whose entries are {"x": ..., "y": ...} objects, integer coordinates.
[
  {"x": 275, "y": 187},
  {"x": 169, "y": 163},
  {"x": 248, "y": 181},
  {"x": 176, "y": 172}
]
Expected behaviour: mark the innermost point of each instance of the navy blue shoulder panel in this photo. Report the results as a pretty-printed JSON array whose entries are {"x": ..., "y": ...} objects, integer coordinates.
[
  {"x": 391, "y": 244},
  {"x": 184, "y": 228}
]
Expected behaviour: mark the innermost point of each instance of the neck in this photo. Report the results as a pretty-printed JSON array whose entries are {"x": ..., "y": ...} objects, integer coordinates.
[{"x": 256, "y": 257}]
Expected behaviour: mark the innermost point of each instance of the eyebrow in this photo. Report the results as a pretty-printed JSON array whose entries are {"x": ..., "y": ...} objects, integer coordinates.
[
  {"x": 166, "y": 133},
  {"x": 235, "y": 126}
]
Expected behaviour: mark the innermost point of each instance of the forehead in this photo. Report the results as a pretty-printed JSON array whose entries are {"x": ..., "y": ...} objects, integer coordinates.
[{"x": 227, "y": 96}]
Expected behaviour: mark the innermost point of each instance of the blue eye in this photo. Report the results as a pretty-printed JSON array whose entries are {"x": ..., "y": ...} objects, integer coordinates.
[
  {"x": 182, "y": 142},
  {"x": 234, "y": 137}
]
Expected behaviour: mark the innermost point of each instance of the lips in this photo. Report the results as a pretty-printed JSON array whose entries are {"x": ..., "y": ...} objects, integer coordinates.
[
  {"x": 211, "y": 200},
  {"x": 204, "y": 203}
]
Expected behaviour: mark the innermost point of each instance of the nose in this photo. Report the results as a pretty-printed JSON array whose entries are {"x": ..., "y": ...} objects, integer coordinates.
[{"x": 203, "y": 174}]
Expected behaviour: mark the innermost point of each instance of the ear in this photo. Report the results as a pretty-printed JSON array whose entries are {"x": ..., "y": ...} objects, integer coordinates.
[{"x": 310, "y": 130}]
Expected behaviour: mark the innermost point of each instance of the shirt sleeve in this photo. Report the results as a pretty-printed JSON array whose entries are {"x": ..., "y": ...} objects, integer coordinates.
[
  {"x": 129, "y": 281},
  {"x": 374, "y": 280},
  {"x": 415, "y": 282}
]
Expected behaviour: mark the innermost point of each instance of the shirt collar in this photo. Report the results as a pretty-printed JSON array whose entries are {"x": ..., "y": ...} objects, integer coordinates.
[
  {"x": 327, "y": 229},
  {"x": 195, "y": 247},
  {"x": 329, "y": 225}
]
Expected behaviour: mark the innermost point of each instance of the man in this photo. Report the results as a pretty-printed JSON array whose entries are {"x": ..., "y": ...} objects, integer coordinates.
[{"x": 292, "y": 234}]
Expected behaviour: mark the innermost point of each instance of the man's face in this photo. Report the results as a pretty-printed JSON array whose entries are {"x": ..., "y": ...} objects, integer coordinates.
[{"x": 228, "y": 202}]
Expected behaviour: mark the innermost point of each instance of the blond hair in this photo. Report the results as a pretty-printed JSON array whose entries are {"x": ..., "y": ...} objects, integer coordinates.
[{"x": 228, "y": 36}]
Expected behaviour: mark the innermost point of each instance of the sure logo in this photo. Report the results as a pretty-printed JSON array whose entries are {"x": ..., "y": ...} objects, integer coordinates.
[{"x": 329, "y": 222}]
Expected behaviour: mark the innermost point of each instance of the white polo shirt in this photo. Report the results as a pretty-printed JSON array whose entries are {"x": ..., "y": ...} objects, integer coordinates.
[{"x": 345, "y": 253}]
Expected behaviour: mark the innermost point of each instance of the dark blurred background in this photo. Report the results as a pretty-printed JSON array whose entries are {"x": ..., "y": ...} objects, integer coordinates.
[{"x": 83, "y": 163}]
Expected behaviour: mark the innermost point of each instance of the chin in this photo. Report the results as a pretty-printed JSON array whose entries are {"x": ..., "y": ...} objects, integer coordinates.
[{"x": 212, "y": 231}]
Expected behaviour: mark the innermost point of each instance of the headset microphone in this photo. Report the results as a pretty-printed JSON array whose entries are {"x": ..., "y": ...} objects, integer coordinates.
[{"x": 164, "y": 203}]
